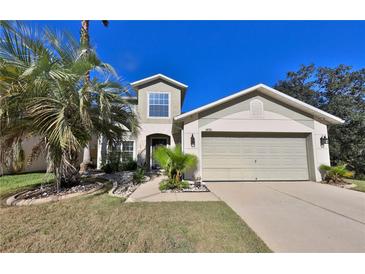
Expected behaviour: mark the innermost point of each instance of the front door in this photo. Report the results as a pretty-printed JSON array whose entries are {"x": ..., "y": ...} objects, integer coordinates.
[{"x": 155, "y": 142}]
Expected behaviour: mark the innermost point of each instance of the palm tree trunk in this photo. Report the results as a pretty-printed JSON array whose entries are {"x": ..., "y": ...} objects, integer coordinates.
[
  {"x": 66, "y": 174},
  {"x": 84, "y": 34},
  {"x": 58, "y": 176},
  {"x": 85, "y": 40},
  {"x": 86, "y": 156},
  {"x": 85, "y": 44}
]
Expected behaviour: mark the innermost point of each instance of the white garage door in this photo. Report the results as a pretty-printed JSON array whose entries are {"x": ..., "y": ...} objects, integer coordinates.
[{"x": 254, "y": 158}]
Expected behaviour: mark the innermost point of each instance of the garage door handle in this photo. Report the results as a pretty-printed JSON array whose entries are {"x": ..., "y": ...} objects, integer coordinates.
[{"x": 255, "y": 161}]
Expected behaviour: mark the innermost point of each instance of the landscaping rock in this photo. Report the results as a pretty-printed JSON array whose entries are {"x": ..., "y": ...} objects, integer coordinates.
[
  {"x": 46, "y": 194},
  {"x": 123, "y": 184},
  {"x": 193, "y": 187}
]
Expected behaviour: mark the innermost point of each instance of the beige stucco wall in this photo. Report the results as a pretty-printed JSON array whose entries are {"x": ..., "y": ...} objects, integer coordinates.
[
  {"x": 159, "y": 86},
  {"x": 191, "y": 127},
  {"x": 40, "y": 163},
  {"x": 235, "y": 116},
  {"x": 147, "y": 130},
  {"x": 230, "y": 116},
  {"x": 321, "y": 153},
  {"x": 154, "y": 126}
]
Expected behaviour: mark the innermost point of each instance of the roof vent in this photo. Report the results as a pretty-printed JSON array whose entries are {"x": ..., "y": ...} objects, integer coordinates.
[{"x": 256, "y": 109}]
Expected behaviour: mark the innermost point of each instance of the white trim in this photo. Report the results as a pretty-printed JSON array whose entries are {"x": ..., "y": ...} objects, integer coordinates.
[
  {"x": 148, "y": 105},
  {"x": 273, "y": 93},
  {"x": 156, "y": 138},
  {"x": 158, "y": 76}
]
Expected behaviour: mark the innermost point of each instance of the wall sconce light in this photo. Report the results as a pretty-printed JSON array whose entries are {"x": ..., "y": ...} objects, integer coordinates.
[
  {"x": 324, "y": 140},
  {"x": 192, "y": 140}
]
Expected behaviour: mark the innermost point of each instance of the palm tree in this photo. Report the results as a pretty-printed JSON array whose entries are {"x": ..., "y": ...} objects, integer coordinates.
[
  {"x": 175, "y": 162},
  {"x": 85, "y": 45},
  {"x": 43, "y": 94}
]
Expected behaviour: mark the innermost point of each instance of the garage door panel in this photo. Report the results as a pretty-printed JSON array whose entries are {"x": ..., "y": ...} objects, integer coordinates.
[
  {"x": 230, "y": 162},
  {"x": 293, "y": 174},
  {"x": 219, "y": 174},
  {"x": 249, "y": 158},
  {"x": 251, "y": 175}
]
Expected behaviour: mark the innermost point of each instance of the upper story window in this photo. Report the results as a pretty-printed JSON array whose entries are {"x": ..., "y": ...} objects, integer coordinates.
[{"x": 158, "y": 104}]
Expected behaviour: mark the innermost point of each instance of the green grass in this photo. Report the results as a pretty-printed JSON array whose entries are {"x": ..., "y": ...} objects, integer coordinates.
[
  {"x": 100, "y": 223},
  {"x": 360, "y": 184},
  {"x": 14, "y": 183}
]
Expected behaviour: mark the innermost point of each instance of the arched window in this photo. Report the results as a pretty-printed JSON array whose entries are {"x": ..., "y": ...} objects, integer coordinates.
[{"x": 256, "y": 109}]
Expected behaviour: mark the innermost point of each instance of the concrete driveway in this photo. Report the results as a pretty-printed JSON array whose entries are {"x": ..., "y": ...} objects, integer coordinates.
[{"x": 299, "y": 216}]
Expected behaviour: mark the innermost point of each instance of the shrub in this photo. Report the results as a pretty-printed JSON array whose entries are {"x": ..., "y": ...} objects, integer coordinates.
[
  {"x": 173, "y": 184},
  {"x": 130, "y": 165},
  {"x": 108, "y": 168},
  {"x": 335, "y": 174},
  {"x": 112, "y": 162},
  {"x": 184, "y": 184},
  {"x": 138, "y": 176}
]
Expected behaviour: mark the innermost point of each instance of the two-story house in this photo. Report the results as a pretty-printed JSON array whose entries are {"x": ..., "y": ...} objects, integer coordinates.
[{"x": 257, "y": 134}]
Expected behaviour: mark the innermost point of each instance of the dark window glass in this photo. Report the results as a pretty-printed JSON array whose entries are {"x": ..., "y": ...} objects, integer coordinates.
[{"x": 158, "y": 104}]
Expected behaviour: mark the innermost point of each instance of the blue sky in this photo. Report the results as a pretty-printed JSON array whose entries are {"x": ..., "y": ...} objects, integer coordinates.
[{"x": 218, "y": 58}]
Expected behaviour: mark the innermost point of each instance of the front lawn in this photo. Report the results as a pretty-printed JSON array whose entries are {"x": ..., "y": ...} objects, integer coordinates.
[
  {"x": 100, "y": 223},
  {"x": 14, "y": 183},
  {"x": 360, "y": 184}
]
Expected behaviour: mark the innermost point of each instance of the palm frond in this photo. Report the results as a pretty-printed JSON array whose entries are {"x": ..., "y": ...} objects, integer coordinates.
[{"x": 43, "y": 94}]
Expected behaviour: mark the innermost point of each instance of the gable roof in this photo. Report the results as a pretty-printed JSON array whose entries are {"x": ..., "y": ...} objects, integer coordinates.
[
  {"x": 282, "y": 97},
  {"x": 159, "y": 76}
]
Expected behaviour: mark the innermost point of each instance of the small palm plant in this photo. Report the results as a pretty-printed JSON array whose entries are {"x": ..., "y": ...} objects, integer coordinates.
[
  {"x": 335, "y": 174},
  {"x": 175, "y": 162}
]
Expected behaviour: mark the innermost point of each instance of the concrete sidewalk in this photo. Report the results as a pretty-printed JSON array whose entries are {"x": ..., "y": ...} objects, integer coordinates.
[{"x": 149, "y": 192}]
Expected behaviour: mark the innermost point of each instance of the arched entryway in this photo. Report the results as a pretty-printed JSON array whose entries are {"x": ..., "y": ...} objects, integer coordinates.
[{"x": 152, "y": 141}]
